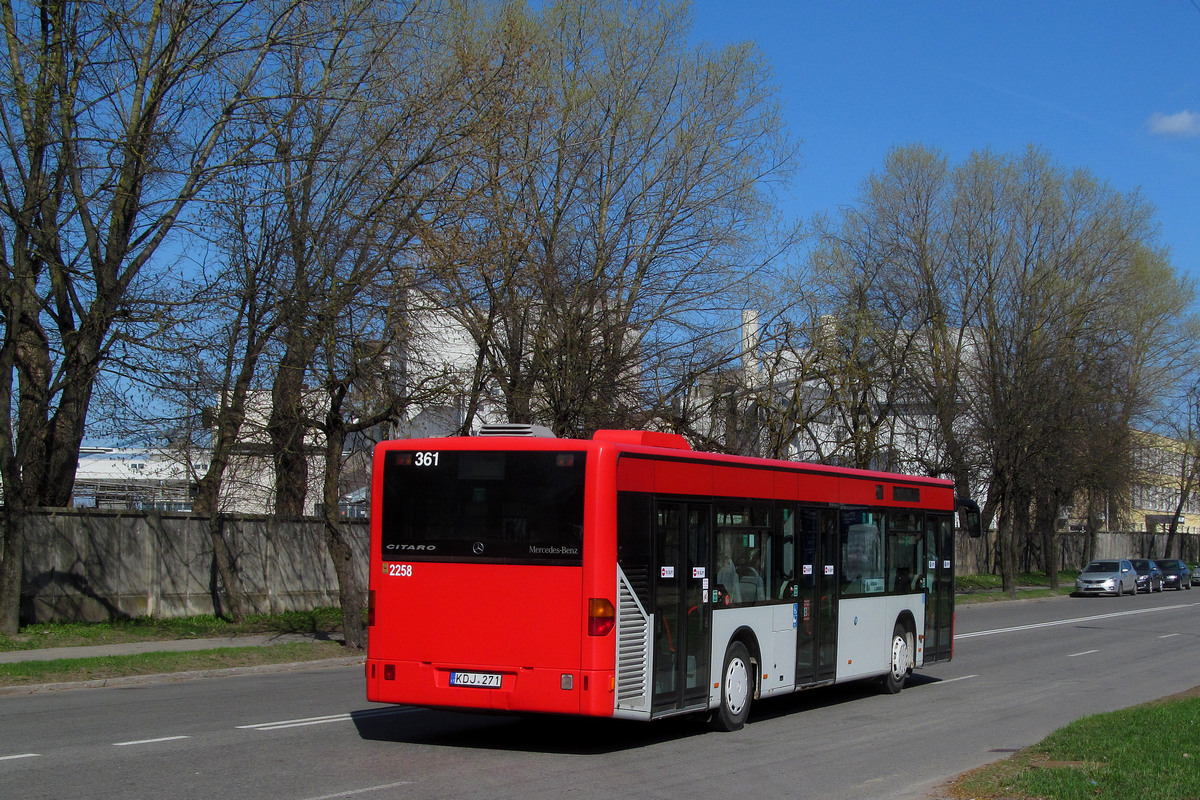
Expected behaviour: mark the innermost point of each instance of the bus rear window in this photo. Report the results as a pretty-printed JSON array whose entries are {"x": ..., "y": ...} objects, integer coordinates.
[{"x": 485, "y": 506}]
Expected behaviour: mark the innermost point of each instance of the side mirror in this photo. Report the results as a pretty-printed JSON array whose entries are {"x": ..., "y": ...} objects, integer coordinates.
[{"x": 970, "y": 516}]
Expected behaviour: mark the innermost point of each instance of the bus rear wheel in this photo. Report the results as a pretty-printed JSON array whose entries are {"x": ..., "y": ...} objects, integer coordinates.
[
  {"x": 898, "y": 669},
  {"x": 736, "y": 689}
]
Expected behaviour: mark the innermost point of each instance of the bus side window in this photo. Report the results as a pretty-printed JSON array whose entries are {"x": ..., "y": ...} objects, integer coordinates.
[
  {"x": 862, "y": 559},
  {"x": 744, "y": 565},
  {"x": 905, "y": 543}
]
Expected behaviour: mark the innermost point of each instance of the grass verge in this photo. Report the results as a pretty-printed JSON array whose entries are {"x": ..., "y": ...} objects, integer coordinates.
[
  {"x": 150, "y": 629},
  {"x": 1148, "y": 751},
  {"x": 1030, "y": 585},
  {"x": 62, "y": 670}
]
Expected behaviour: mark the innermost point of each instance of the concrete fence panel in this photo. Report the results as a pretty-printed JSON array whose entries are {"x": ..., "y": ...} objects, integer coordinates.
[
  {"x": 976, "y": 556},
  {"x": 96, "y": 565}
]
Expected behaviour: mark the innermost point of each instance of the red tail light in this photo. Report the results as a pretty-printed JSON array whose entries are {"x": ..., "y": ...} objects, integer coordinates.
[
  {"x": 370, "y": 608},
  {"x": 602, "y": 617}
]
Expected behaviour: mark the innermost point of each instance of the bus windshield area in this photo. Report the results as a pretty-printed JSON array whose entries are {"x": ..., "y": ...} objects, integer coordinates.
[{"x": 483, "y": 506}]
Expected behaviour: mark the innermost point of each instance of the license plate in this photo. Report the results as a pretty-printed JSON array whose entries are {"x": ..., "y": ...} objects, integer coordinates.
[{"x": 485, "y": 680}]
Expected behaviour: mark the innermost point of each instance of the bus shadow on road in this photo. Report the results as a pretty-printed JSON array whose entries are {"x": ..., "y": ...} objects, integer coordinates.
[
  {"x": 532, "y": 733},
  {"x": 825, "y": 697},
  {"x": 582, "y": 736}
]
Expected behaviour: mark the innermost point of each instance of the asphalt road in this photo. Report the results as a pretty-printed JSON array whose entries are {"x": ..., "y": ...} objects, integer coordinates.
[{"x": 1020, "y": 671}]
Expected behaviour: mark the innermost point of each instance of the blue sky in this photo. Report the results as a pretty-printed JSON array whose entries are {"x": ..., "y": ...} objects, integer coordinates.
[{"x": 1110, "y": 86}]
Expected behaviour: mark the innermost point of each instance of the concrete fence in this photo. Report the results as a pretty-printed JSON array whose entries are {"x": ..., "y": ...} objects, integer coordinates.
[
  {"x": 976, "y": 556},
  {"x": 95, "y": 565}
]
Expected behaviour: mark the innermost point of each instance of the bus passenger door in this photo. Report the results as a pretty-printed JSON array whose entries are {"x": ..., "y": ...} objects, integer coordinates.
[
  {"x": 816, "y": 643},
  {"x": 683, "y": 617},
  {"x": 939, "y": 583}
]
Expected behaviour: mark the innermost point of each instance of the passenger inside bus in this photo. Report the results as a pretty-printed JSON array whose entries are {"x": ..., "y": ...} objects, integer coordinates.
[
  {"x": 727, "y": 575},
  {"x": 739, "y": 574}
]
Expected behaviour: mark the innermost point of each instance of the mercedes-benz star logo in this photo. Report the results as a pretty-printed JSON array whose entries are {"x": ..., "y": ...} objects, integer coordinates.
[{"x": 478, "y": 548}]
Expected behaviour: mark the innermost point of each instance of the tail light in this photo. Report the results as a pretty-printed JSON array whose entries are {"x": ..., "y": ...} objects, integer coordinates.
[
  {"x": 370, "y": 608},
  {"x": 602, "y": 617}
]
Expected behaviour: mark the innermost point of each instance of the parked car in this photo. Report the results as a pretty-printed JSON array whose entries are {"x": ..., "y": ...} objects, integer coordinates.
[
  {"x": 1149, "y": 577},
  {"x": 1176, "y": 574},
  {"x": 1195, "y": 574},
  {"x": 1107, "y": 576}
]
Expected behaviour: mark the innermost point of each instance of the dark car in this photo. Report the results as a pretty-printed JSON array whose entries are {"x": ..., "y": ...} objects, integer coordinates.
[
  {"x": 1176, "y": 574},
  {"x": 1149, "y": 577}
]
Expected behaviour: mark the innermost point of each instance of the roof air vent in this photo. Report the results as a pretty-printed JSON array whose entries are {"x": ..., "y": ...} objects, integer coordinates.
[{"x": 515, "y": 429}]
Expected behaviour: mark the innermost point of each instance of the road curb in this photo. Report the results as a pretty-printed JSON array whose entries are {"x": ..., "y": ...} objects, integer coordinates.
[{"x": 170, "y": 677}]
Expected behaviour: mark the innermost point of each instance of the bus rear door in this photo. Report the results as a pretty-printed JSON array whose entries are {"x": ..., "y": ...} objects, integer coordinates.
[{"x": 683, "y": 618}]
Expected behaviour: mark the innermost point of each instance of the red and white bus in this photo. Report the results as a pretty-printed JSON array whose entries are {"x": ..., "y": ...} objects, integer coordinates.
[{"x": 628, "y": 576}]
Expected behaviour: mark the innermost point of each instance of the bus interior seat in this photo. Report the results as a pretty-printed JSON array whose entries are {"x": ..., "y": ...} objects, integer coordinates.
[{"x": 751, "y": 584}]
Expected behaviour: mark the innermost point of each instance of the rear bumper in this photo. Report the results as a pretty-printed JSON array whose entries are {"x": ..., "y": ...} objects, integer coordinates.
[{"x": 522, "y": 689}]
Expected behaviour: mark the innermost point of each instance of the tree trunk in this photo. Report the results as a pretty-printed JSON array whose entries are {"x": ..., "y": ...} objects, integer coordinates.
[
  {"x": 1007, "y": 535},
  {"x": 1045, "y": 520},
  {"x": 11, "y": 568},
  {"x": 229, "y": 583},
  {"x": 287, "y": 431},
  {"x": 350, "y": 592}
]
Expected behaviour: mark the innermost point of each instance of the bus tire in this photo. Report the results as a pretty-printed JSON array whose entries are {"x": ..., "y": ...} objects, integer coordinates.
[
  {"x": 737, "y": 689},
  {"x": 898, "y": 662}
]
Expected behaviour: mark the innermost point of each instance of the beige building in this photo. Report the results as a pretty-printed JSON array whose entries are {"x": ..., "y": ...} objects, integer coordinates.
[{"x": 1164, "y": 471}]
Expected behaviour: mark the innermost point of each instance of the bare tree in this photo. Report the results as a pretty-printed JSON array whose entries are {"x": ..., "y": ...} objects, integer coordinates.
[
  {"x": 112, "y": 114},
  {"x": 997, "y": 298},
  {"x": 1062, "y": 358},
  {"x": 378, "y": 111},
  {"x": 360, "y": 341},
  {"x": 614, "y": 218},
  {"x": 1189, "y": 468},
  {"x": 219, "y": 354}
]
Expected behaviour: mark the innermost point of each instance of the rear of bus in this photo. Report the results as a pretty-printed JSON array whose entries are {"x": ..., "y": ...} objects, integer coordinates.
[{"x": 479, "y": 595}]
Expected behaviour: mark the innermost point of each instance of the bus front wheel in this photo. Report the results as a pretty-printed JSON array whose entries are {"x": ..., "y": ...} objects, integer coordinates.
[
  {"x": 901, "y": 657},
  {"x": 736, "y": 689}
]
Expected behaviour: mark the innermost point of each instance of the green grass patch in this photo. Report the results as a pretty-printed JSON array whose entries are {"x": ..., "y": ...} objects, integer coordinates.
[
  {"x": 1150, "y": 751},
  {"x": 148, "y": 629},
  {"x": 107, "y": 667},
  {"x": 989, "y": 588}
]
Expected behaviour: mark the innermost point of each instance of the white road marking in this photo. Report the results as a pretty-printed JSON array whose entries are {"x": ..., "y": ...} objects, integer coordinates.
[
  {"x": 20, "y": 755},
  {"x": 1084, "y": 653},
  {"x": 353, "y": 792},
  {"x": 959, "y": 678},
  {"x": 1072, "y": 621},
  {"x": 150, "y": 741},
  {"x": 298, "y": 723}
]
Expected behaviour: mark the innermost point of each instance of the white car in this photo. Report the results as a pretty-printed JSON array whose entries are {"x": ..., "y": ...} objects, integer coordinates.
[{"x": 1115, "y": 576}]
